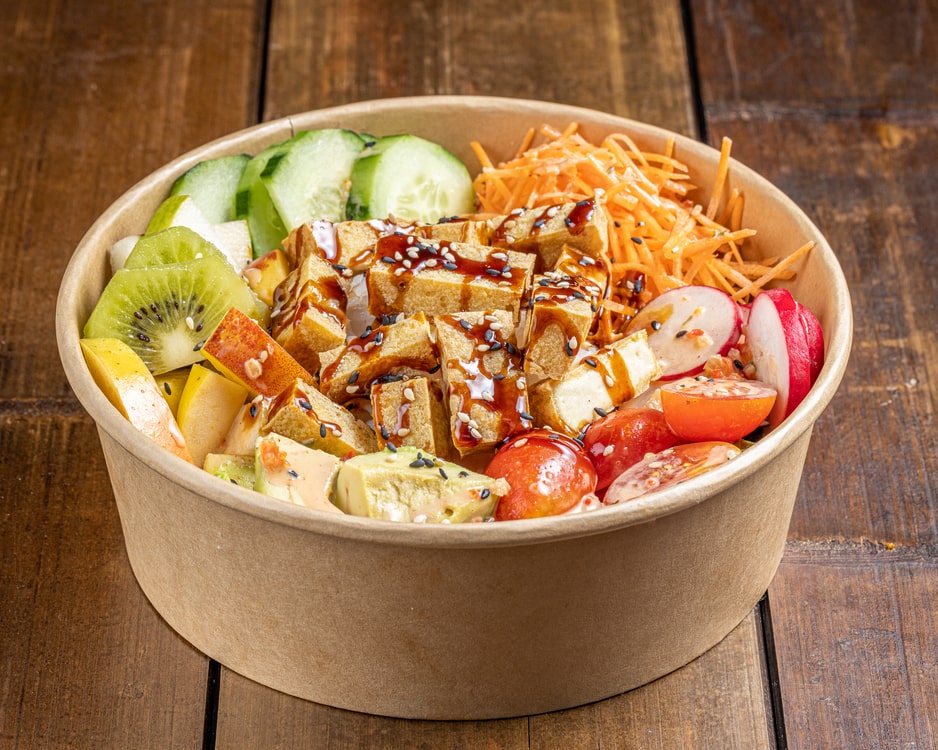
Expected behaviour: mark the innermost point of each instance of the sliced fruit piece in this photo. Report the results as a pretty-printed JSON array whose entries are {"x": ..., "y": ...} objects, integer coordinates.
[
  {"x": 779, "y": 347},
  {"x": 171, "y": 384},
  {"x": 308, "y": 178},
  {"x": 171, "y": 245},
  {"x": 207, "y": 408},
  {"x": 668, "y": 467},
  {"x": 265, "y": 274},
  {"x": 246, "y": 427},
  {"x": 235, "y": 239},
  {"x": 235, "y": 469},
  {"x": 688, "y": 325},
  {"x": 212, "y": 184},
  {"x": 165, "y": 313},
  {"x": 252, "y": 202},
  {"x": 409, "y": 178},
  {"x": 623, "y": 438},
  {"x": 182, "y": 211},
  {"x": 700, "y": 408},
  {"x": 128, "y": 385},
  {"x": 290, "y": 471},
  {"x": 118, "y": 252},
  {"x": 410, "y": 485},
  {"x": 548, "y": 473},
  {"x": 244, "y": 352}
]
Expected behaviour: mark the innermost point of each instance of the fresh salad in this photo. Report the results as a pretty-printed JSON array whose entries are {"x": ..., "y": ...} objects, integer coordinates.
[{"x": 358, "y": 325}]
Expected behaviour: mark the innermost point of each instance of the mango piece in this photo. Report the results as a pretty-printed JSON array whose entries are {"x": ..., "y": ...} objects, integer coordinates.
[{"x": 266, "y": 273}]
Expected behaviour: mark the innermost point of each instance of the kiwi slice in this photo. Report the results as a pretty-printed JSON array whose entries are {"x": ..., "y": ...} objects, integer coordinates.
[
  {"x": 172, "y": 245},
  {"x": 166, "y": 312}
]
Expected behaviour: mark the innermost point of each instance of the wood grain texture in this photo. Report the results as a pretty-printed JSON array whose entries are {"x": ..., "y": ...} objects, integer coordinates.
[
  {"x": 861, "y": 670},
  {"x": 625, "y": 58},
  {"x": 96, "y": 96},
  {"x": 857, "y": 153},
  {"x": 688, "y": 708},
  {"x": 85, "y": 662}
]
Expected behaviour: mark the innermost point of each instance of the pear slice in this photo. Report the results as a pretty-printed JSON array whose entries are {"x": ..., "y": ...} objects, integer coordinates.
[{"x": 208, "y": 406}]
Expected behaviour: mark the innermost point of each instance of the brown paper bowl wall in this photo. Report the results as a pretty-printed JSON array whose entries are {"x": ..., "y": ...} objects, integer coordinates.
[{"x": 456, "y": 622}]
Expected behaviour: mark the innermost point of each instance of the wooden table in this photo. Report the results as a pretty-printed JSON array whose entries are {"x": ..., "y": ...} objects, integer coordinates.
[{"x": 836, "y": 102}]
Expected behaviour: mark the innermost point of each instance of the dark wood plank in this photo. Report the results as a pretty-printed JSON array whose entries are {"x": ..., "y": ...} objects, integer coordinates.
[
  {"x": 861, "y": 670},
  {"x": 96, "y": 96},
  {"x": 625, "y": 58},
  {"x": 686, "y": 708},
  {"x": 844, "y": 121},
  {"x": 86, "y": 661}
]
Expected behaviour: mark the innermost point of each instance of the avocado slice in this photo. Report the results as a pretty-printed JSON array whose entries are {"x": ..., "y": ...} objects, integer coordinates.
[
  {"x": 408, "y": 484},
  {"x": 231, "y": 468}
]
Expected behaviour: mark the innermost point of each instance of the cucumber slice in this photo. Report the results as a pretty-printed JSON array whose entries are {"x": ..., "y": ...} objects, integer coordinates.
[
  {"x": 409, "y": 178},
  {"x": 252, "y": 202},
  {"x": 308, "y": 179},
  {"x": 212, "y": 185}
]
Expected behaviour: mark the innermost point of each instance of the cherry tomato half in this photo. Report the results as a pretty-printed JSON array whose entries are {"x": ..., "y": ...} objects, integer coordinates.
[
  {"x": 622, "y": 438},
  {"x": 549, "y": 474},
  {"x": 700, "y": 408},
  {"x": 670, "y": 466}
]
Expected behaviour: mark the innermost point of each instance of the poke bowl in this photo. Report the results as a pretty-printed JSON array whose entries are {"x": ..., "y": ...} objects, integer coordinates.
[{"x": 460, "y": 620}]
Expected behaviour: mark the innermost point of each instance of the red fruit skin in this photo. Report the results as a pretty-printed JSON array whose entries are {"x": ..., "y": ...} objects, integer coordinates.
[
  {"x": 632, "y": 433},
  {"x": 779, "y": 344},
  {"x": 814, "y": 335},
  {"x": 548, "y": 471}
]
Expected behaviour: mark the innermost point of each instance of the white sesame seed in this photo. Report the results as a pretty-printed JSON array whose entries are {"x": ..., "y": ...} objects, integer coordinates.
[
  {"x": 475, "y": 433},
  {"x": 190, "y": 323},
  {"x": 351, "y": 389},
  {"x": 409, "y": 394},
  {"x": 403, "y": 432},
  {"x": 262, "y": 355},
  {"x": 572, "y": 342},
  {"x": 253, "y": 368},
  {"x": 495, "y": 325},
  {"x": 610, "y": 381},
  {"x": 462, "y": 416},
  {"x": 608, "y": 449},
  {"x": 483, "y": 347}
]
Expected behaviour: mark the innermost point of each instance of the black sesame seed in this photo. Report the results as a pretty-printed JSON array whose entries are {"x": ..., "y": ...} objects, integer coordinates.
[
  {"x": 197, "y": 347},
  {"x": 618, "y": 224},
  {"x": 495, "y": 346},
  {"x": 391, "y": 447},
  {"x": 568, "y": 221},
  {"x": 600, "y": 412},
  {"x": 489, "y": 335},
  {"x": 464, "y": 474},
  {"x": 418, "y": 464},
  {"x": 304, "y": 404},
  {"x": 339, "y": 267},
  {"x": 322, "y": 430},
  {"x": 450, "y": 266},
  {"x": 526, "y": 417},
  {"x": 353, "y": 378},
  {"x": 591, "y": 362},
  {"x": 680, "y": 334},
  {"x": 738, "y": 365},
  {"x": 637, "y": 240},
  {"x": 568, "y": 348},
  {"x": 434, "y": 369},
  {"x": 656, "y": 325},
  {"x": 485, "y": 493},
  {"x": 493, "y": 272},
  {"x": 385, "y": 434},
  {"x": 379, "y": 337},
  {"x": 167, "y": 388},
  {"x": 366, "y": 333},
  {"x": 465, "y": 325},
  {"x": 253, "y": 410},
  {"x": 292, "y": 473},
  {"x": 443, "y": 473},
  {"x": 428, "y": 462}
]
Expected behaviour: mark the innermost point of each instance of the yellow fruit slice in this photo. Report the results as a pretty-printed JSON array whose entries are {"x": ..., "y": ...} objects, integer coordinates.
[
  {"x": 207, "y": 407},
  {"x": 131, "y": 388}
]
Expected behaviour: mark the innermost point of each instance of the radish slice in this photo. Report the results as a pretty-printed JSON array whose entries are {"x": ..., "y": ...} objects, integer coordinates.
[
  {"x": 779, "y": 346},
  {"x": 688, "y": 325},
  {"x": 815, "y": 338}
]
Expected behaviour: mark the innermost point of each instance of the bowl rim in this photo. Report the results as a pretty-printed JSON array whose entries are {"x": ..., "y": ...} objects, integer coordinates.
[{"x": 518, "y": 533}]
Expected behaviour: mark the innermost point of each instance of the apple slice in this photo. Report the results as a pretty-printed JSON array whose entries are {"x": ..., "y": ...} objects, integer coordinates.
[
  {"x": 128, "y": 384},
  {"x": 815, "y": 338},
  {"x": 688, "y": 325},
  {"x": 243, "y": 351},
  {"x": 780, "y": 350}
]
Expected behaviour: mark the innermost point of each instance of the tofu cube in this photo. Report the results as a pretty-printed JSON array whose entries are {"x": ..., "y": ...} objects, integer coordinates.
[
  {"x": 471, "y": 231},
  {"x": 402, "y": 347},
  {"x": 305, "y": 415},
  {"x": 589, "y": 272},
  {"x": 411, "y": 412},
  {"x": 546, "y": 230},
  {"x": 485, "y": 386},
  {"x": 558, "y": 319},
  {"x": 349, "y": 246},
  {"x": 440, "y": 277},
  {"x": 599, "y": 383},
  {"x": 309, "y": 313}
]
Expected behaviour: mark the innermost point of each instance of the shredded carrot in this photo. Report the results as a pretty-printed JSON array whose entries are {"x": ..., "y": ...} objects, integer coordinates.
[{"x": 656, "y": 233}]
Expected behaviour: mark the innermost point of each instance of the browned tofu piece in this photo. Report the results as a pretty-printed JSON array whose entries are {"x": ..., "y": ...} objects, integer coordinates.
[
  {"x": 559, "y": 317},
  {"x": 439, "y": 277},
  {"x": 411, "y": 412},
  {"x": 404, "y": 346},
  {"x": 305, "y": 415},
  {"x": 545, "y": 231},
  {"x": 588, "y": 271},
  {"x": 598, "y": 383},
  {"x": 308, "y": 316},
  {"x": 471, "y": 231},
  {"x": 486, "y": 388},
  {"x": 347, "y": 245}
]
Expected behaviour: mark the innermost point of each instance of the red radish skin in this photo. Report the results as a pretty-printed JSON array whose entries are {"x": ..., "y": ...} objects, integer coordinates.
[
  {"x": 688, "y": 325},
  {"x": 780, "y": 353},
  {"x": 815, "y": 338}
]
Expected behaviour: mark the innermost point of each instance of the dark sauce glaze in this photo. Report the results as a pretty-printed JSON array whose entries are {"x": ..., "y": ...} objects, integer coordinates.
[
  {"x": 326, "y": 295},
  {"x": 576, "y": 220},
  {"x": 407, "y": 256},
  {"x": 502, "y": 393}
]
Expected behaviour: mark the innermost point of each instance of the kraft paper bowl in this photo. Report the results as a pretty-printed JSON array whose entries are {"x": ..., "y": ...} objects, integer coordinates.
[{"x": 457, "y": 622}]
